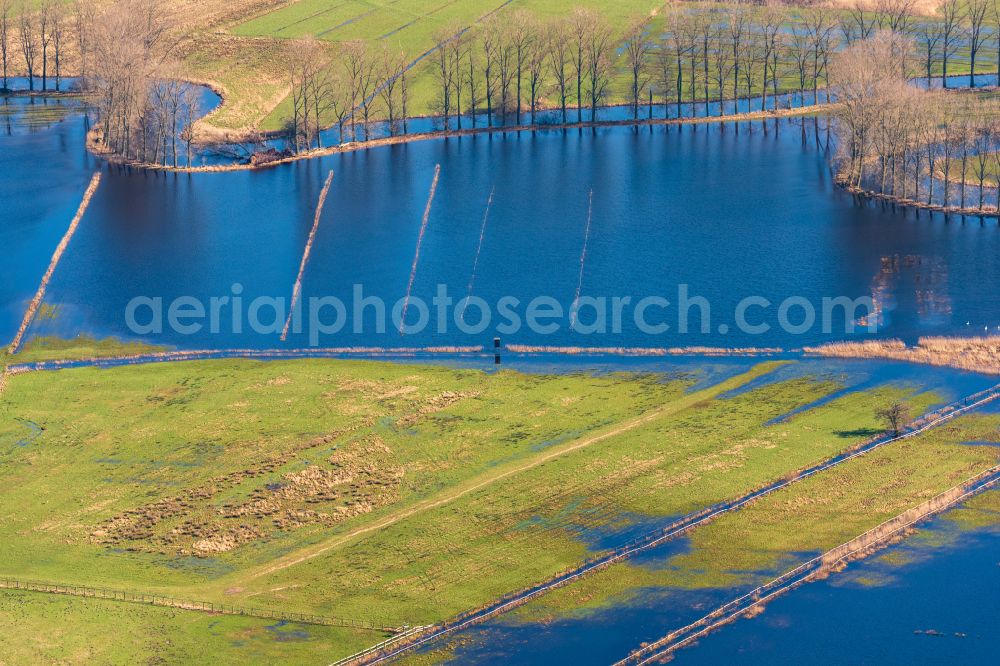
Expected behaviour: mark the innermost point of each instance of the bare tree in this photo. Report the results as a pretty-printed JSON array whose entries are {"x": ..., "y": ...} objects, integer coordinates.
[
  {"x": 29, "y": 47},
  {"x": 458, "y": 49},
  {"x": 523, "y": 37},
  {"x": 58, "y": 29},
  {"x": 680, "y": 47},
  {"x": 738, "y": 21},
  {"x": 597, "y": 57},
  {"x": 950, "y": 14},
  {"x": 557, "y": 44},
  {"x": 865, "y": 75},
  {"x": 896, "y": 416},
  {"x": 582, "y": 24},
  {"x": 304, "y": 59},
  {"x": 637, "y": 49},
  {"x": 45, "y": 35},
  {"x": 128, "y": 44},
  {"x": 723, "y": 68},
  {"x": 666, "y": 77},
  {"x": 492, "y": 37},
  {"x": 393, "y": 63},
  {"x": 505, "y": 67},
  {"x": 771, "y": 21},
  {"x": 819, "y": 29},
  {"x": 895, "y": 15},
  {"x": 83, "y": 15},
  {"x": 929, "y": 36},
  {"x": 751, "y": 55},
  {"x": 4, "y": 37},
  {"x": 536, "y": 63},
  {"x": 360, "y": 69},
  {"x": 861, "y": 22},
  {"x": 975, "y": 16},
  {"x": 800, "y": 47}
]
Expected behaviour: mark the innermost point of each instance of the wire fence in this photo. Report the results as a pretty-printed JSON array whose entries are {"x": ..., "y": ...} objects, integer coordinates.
[{"x": 187, "y": 604}]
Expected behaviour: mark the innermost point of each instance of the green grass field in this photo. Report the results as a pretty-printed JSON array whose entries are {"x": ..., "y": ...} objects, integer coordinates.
[
  {"x": 399, "y": 493},
  {"x": 773, "y": 534}
]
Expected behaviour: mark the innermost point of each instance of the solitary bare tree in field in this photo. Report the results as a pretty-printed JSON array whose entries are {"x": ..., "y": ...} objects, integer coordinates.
[{"x": 895, "y": 416}]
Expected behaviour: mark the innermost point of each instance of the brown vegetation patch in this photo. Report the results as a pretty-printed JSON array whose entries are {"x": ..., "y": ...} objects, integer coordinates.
[
  {"x": 358, "y": 477},
  {"x": 981, "y": 354}
]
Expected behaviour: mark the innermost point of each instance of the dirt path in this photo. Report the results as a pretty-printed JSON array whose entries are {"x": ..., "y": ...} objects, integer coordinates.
[{"x": 492, "y": 477}]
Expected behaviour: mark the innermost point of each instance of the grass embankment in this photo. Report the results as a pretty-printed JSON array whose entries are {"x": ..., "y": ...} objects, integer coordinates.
[
  {"x": 783, "y": 529},
  {"x": 377, "y": 491},
  {"x": 82, "y": 347}
]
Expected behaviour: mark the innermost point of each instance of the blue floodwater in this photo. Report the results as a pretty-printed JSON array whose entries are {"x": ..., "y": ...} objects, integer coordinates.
[
  {"x": 939, "y": 588},
  {"x": 43, "y": 174},
  {"x": 729, "y": 210},
  {"x": 950, "y": 591}
]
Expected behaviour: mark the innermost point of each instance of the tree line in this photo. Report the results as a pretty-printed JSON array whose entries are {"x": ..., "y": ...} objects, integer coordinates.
[
  {"x": 33, "y": 38},
  {"x": 513, "y": 62},
  {"x": 508, "y": 65},
  {"x": 910, "y": 143}
]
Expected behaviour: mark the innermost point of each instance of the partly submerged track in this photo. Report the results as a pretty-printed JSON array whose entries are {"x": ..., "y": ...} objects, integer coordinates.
[{"x": 672, "y": 531}]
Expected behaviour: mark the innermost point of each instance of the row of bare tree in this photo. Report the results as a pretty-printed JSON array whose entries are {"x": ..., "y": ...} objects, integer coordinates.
[
  {"x": 907, "y": 142},
  {"x": 33, "y": 37},
  {"x": 514, "y": 62}
]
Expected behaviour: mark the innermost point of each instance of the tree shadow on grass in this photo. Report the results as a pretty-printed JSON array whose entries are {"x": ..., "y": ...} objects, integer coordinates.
[{"x": 859, "y": 432}]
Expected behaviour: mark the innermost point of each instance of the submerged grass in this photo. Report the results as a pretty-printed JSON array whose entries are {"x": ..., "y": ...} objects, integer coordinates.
[
  {"x": 780, "y": 530},
  {"x": 79, "y": 348}
]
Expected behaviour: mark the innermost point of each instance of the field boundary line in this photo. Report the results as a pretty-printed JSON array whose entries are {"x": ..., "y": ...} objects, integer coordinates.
[
  {"x": 111, "y": 594},
  {"x": 36, "y": 302}
]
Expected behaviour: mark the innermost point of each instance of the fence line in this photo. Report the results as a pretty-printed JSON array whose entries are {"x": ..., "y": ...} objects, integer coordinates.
[{"x": 186, "y": 604}]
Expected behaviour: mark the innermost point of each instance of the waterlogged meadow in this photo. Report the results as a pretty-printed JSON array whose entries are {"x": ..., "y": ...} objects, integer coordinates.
[
  {"x": 605, "y": 616},
  {"x": 257, "y": 483}
]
